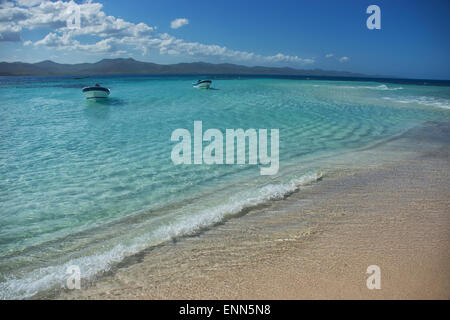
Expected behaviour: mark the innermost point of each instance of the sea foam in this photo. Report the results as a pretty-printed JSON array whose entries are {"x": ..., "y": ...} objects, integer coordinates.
[
  {"x": 422, "y": 100},
  {"x": 54, "y": 277},
  {"x": 381, "y": 87}
]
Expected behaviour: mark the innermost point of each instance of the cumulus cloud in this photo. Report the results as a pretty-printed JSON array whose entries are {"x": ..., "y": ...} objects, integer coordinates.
[
  {"x": 167, "y": 44},
  {"x": 178, "y": 23},
  {"x": 344, "y": 59},
  {"x": 10, "y": 33},
  {"x": 33, "y": 14},
  {"x": 111, "y": 35},
  {"x": 28, "y": 3},
  {"x": 329, "y": 55}
]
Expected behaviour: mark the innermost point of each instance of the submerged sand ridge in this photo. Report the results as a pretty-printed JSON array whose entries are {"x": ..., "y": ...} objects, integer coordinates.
[{"x": 388, "y": 205}]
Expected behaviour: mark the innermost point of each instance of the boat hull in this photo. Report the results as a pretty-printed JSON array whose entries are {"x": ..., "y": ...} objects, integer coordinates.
[
  {"x": 96, "y": 92},
  {"x": 203, "y": 85}
]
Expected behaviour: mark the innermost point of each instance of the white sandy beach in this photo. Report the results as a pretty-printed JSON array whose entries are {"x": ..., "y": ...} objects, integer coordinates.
[{"x": 395, "y": 215}]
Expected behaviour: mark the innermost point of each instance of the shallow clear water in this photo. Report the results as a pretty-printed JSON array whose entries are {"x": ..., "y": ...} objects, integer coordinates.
[{"x": 89, "y": 183}]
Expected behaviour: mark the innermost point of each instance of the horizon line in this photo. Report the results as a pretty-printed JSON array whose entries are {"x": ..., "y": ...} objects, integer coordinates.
[{"x": 351, "y": 75}]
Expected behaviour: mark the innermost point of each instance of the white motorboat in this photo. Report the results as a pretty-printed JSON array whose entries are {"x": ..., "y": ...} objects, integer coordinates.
[
  {"x": 202, "y": 84},
  {"x": 96, "y": 92}
]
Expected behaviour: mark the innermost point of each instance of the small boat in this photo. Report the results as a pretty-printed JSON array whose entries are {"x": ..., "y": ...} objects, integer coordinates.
[
  {"x": 202, "y": 84},
  {"x": 96, "y": 92}
]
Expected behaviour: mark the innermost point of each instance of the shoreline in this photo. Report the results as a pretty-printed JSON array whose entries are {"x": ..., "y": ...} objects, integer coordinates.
[{"x": 317, "y": 243}]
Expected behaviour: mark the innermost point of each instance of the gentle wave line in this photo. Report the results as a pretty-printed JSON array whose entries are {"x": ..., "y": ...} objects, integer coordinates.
[{"x": 55, "y": 276}]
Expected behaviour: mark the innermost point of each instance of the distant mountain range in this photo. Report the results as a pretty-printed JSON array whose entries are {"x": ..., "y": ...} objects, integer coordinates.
[{"x": 131, "y": 66}]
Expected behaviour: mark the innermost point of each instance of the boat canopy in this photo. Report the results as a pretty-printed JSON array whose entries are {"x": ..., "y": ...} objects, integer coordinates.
[{"x": 97, "y": 87}]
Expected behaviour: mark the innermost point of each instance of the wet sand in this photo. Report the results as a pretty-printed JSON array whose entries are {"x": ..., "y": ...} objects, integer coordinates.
[{"x": 392, "y": 210}]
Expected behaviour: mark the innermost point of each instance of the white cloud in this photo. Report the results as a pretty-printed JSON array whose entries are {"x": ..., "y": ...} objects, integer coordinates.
[
  {"x": 344, "y": 59},
  {"x": 284, "y": 58},
  {"x": 168, "y": 44},
  {"x": 112, "y": 36},
  {"x": 10, "y": 33},
  {"x": 54, "y": 16},
  {"x": 329, "y": 55},
  {"x": 178, "y": 23},
  {"x": 29, "y": 3}
]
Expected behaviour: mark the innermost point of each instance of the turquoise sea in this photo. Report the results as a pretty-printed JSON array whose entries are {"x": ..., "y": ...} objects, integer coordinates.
[{"x": 90, "y": 183}]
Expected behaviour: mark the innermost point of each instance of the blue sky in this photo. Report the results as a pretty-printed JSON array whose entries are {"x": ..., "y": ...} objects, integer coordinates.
[{"x": 414, "y": 40}]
